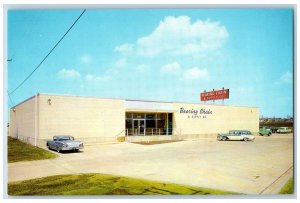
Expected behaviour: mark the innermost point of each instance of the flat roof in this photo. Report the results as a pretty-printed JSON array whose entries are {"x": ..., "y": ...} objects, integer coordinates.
[{"x": 140, "y": 100}]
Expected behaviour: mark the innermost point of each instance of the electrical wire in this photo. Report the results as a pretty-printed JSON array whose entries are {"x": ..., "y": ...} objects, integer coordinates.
[
  {"x": 12, "y": 103},
  {"x": 47, "y": 54}
]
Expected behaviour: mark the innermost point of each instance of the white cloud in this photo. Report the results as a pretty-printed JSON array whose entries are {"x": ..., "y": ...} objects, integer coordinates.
[
  {"x": 195, "y": 73},
  {"x": 141, "y": 68},
  {"x": 68, "y": 73},
  {"x": 124, "y": 48},
  {"x": 286, "y": 78},
  {"x": 179, "y": 36},
  {"x": 121, "y": 62},
  {"x": 93, "y": 78},
  {"x": 171, "y": 68},
  {"x": 86, "y": 59}
]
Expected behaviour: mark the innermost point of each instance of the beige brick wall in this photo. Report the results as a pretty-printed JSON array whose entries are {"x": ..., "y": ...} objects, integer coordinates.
[
  {"x": 222, "y": 119},
  {"x": 22, "y": 121},
  {"x": 88, "y": 119}
]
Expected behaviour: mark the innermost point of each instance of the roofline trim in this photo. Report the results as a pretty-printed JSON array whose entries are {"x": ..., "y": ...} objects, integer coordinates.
[
  {"x": 24, "y": 101},
  {"x": 94, "y": 97}
]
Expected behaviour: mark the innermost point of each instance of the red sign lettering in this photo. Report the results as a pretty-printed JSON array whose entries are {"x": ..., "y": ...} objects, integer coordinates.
[{"x": 214, "y": 95}]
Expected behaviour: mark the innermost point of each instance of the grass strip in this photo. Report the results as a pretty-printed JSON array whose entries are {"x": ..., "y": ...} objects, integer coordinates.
[
  {"x": 288, "y": 188},
  {"x": 19, "y": 151},
  {"x": 102, "y": 184}
]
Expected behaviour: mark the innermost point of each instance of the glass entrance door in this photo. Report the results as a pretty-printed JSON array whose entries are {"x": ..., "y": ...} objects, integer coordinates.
[{"x": 139, "y": 127}]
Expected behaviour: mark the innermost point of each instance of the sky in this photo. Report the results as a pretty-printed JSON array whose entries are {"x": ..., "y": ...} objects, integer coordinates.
[{"x": 158, "y": 54}]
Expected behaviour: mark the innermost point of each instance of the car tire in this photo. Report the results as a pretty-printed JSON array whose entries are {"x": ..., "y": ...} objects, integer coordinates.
[
  {"x": 245, "y": 139},
  {"x": 57, "y": 149},
  {"x": 269, "y": 134},
  {"x": 223, "y": 139}
]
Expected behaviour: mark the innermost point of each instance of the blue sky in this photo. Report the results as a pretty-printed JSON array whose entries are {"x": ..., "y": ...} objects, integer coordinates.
[{"x": 163, "y": 54}]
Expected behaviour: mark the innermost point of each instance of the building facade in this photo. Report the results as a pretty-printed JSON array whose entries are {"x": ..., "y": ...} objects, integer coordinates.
[{"x": 90, "y": 119}]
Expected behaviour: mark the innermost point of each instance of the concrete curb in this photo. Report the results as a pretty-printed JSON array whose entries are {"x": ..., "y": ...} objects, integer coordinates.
[{"x": 276, "y": 186}]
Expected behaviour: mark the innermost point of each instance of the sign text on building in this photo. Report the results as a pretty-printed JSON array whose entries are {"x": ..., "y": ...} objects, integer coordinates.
[
  {"x": 196, "y": 113},
  {"x": 215, "y": 95}
]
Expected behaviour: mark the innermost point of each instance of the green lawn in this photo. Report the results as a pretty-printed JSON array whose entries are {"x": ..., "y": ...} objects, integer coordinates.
[
  {"x": 288, "y": 188},
  {"x": 19, "y": 151},
  {"x": 102, "y": 184}
]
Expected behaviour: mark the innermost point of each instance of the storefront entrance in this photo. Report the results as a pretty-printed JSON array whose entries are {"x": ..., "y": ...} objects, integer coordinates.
[{"x": 140, "y": 124}]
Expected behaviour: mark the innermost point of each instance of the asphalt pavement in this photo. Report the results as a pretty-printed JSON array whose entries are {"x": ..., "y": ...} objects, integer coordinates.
[{"x": 258, "y": 167}]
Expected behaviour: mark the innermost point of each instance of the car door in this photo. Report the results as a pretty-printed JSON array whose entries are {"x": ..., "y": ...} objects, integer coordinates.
[
  {"x": 238, "y": 135},
  {"x": 234, "y": 136},
  {"x": 231, "y": 136}
]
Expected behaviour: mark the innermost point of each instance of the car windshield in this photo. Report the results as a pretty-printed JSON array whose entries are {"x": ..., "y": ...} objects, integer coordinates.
[{"x": 64, "y": 139}]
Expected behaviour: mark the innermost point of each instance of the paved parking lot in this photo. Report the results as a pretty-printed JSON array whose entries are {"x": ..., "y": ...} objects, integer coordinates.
[{"x": 256, "y": 167}]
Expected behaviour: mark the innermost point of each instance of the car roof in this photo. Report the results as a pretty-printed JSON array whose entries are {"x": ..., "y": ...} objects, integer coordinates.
[{"x": 62, "y": 136}]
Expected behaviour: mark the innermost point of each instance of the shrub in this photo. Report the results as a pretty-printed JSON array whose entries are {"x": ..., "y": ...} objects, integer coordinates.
[{"x": 121, "y": 139}]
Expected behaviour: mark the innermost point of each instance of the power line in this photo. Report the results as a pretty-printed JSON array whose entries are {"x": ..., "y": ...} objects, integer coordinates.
[
  {"x": 11, "y": 101},
  {"x": 47, "y": 54}
]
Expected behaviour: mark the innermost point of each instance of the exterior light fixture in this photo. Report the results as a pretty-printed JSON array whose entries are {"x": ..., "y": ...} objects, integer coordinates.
[{"x": 49, "y": 101}]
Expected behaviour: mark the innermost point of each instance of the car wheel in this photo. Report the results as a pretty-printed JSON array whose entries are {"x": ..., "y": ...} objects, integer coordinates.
[
  {"x": 260, "y": 134},
  {"x": 224, "y": 139},
  {"x": 57, "y": 149},
  {"x": 269, "y": 134},
  {"x": 246, "y": 139}
]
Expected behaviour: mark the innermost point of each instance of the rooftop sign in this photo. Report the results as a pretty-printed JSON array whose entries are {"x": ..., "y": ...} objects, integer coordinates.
[{"x": 215, "y": 95}]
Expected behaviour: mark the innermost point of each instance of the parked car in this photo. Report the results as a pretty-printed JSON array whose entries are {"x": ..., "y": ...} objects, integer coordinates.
[
  {"x": 274, "y": 129},
  {"x": 64, "y": 142},
  {"x": 265, "y": 131},
  {"x": 284, "y": 130},
  {"x": 245, "y": 135}
]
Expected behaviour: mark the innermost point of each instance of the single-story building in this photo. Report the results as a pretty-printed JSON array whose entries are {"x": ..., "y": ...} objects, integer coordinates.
[{"x": 92, "y": 119}]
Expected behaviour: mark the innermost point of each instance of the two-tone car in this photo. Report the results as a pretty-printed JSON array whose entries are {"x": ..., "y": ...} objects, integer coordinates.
[
  {"x": 244, "y": 135},
  {"x": 284, "y": 130},
  {"x": 64, "y": 143}
]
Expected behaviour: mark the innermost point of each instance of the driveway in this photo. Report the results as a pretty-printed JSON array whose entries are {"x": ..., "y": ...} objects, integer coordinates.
[{"x": 259, "y": 167}]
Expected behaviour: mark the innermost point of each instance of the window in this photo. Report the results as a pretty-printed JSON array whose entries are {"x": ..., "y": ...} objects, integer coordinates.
[
  {"x": 155, "y": 123},
  {"x": 128, "y": 123},
  {"x": 161, "y": 124},
  {"x": 128, "y": 115},
  {"x": 151, "y": 116},
  {"x": 138, "y": 115},
  {"x": 161, "y": 116}
]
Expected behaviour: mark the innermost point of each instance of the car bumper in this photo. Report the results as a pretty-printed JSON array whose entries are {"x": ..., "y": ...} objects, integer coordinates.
[{"x": 72, "y": 148}]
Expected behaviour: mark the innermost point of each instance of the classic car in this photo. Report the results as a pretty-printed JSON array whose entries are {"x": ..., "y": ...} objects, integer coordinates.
[
  {"x": 274, "y": 129},
  {"x": 284, "y": 130},
  {"x": 265, "y": 131},
  {"x": 64, "y": 142},
  {"x": 245, "y": 135}
]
